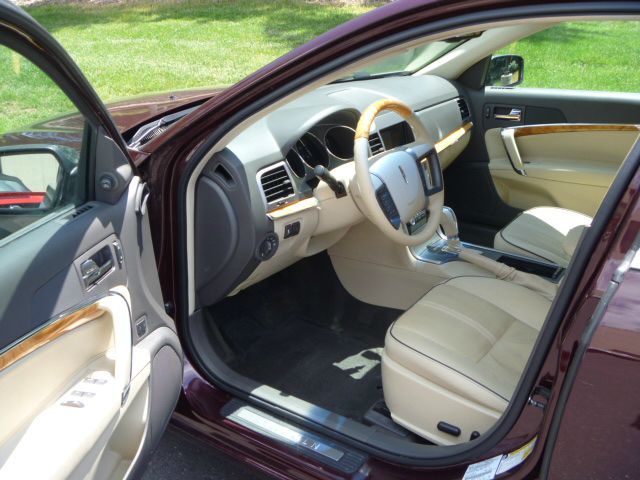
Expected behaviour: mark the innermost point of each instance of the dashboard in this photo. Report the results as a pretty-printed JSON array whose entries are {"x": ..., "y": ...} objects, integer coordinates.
[{"x": 259, "y": 203}]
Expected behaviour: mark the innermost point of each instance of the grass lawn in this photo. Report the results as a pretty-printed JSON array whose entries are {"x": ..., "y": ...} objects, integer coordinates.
[
  {"x": 582, "y": 56},
  {"x": 127, "y": 50}
]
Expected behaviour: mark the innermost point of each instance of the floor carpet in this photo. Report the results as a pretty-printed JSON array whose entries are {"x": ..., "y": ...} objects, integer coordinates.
[{"x": 302, "y": 333}]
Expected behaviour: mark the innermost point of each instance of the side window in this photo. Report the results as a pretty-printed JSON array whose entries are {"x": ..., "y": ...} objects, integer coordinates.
[
  {"x": 597, "y": 56},
  {"x": 41, "y": 135}
]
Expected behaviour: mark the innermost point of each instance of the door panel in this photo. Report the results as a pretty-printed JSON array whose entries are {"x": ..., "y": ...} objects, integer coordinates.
[
  {"x": 486, "y": 193},
  {"x": 74, "y": 332},
  {"x": 569, "y": 166}
]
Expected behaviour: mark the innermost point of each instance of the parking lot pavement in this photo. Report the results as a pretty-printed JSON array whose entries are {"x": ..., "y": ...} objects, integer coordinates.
[{"x": 180, "y": 456}]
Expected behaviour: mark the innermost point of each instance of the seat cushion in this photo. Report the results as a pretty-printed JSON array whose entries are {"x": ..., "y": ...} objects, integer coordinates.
[
  {"x": 543, "y": 233},
  {"x": 463, "y": 347}
]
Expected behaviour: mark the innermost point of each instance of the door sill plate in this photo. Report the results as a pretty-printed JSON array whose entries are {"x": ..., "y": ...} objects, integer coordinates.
[{"x": 308, "y": 444}]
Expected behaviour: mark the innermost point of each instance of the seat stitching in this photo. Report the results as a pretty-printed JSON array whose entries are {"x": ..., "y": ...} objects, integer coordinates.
[
  {"x": 448, "y": 366},
  {"x": 510, "y": 315},
  {"x": 504, "y": 365},
  {"x": 466, "y": 319},
  {"x": 444, "y": 282},
  {"x": 500, "y": 337}
]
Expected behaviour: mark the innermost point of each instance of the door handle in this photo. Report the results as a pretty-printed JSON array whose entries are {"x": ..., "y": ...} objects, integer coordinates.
[
  {"x": 96, "y": 267},
  {"x": 515, "y": 115},
  {"x": 509, "y": 140}
]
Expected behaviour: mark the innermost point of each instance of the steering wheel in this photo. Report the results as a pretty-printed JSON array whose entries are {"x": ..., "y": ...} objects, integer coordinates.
[{"x": 396, "y": 185}]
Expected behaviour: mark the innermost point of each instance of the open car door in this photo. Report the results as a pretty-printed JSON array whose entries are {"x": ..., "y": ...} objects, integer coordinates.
[{"x": 90, "y": 364}]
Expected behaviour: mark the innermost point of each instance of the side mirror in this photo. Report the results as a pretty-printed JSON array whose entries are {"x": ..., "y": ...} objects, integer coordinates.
[
  {"x": 35, "y": 176},
  {"x": 505, "y": 71}
]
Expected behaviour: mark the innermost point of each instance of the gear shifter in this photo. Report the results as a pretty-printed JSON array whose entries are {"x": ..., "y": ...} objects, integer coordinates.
[{"x": 449, "y": 224}]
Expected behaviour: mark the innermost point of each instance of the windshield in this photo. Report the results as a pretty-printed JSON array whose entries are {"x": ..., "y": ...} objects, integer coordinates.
[{"x": 407, "y": 62}]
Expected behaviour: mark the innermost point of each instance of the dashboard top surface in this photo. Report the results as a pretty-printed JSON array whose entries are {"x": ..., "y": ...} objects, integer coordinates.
[{"x": 269, "y": 139}]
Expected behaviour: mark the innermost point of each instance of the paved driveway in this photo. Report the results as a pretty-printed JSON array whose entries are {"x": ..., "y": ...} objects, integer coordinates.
[{"x": 180, "y": 457}]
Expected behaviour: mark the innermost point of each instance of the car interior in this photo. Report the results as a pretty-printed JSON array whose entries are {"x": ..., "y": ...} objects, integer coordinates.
[{"x": 377, "y": 253}]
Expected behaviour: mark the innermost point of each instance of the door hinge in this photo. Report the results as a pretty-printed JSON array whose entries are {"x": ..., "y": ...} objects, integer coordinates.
[{"x": 542, "y": 392}]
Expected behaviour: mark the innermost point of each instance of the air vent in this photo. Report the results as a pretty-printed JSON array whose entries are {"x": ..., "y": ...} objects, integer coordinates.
[
  {"x": 79, "y": 211},
  {"x": 276, "y": 184},
  {"x": 464, "y": 108},
  {"x": 375, "y": 143},
  {"x": 75, "y": 213},
  {"x": 152, "y": 134}
]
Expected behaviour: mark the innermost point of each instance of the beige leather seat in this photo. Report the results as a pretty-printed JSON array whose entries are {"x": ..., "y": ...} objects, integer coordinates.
[
  {"x": 543, "y": 233},
  {"x": 458, "y": 354}
]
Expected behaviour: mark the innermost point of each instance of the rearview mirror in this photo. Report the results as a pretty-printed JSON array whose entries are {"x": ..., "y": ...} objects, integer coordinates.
[
  {"x": 505, "y": 71},
  {"x": 35, "y": 176}
]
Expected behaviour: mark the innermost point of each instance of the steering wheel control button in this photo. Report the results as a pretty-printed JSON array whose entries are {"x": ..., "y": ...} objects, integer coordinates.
[
  {"x": 267, "y": 247},
  {"x": 82, "y": 393},
  {"x": 388, "y": 206},
  {"x": 433, "y": 173},
  {"x": 417, "y": 222},
  {"x": 95, "y": 381},
  {"x": 291, "y": 230}
]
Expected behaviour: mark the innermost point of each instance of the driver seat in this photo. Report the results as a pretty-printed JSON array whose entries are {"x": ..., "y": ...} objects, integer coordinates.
[{"x": 451, "y": 362}]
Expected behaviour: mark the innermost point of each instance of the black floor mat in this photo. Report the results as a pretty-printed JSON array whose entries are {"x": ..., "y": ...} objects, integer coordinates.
[{"x": 300, "y": 332}]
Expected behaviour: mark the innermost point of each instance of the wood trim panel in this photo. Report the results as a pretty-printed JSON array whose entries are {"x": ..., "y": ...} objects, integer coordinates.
[
  {"x": 528, "y": 130},
  {"x": 49, "y": 333},
  {"x": 294, "y": 207},
  {"x": 452, "y": 137}
]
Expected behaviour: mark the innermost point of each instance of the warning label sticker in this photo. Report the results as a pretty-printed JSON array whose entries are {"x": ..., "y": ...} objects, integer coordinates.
[
  {"x": 516, "y": 458},
  {"x": 485, "y": 470},
  {"x": 488, "y": 469}
]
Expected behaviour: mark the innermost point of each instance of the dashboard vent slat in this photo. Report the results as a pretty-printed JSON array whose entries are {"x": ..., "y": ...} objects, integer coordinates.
[
  {"x": 276, "y": 184},
  {"x": 375, "y": 143},
  {"x": 79, "y": 211},
  {"x": 464, "y": 108}
]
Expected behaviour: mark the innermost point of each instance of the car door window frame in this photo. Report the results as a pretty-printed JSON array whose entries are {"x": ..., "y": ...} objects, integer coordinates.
[{"x": 96, "y": 118}]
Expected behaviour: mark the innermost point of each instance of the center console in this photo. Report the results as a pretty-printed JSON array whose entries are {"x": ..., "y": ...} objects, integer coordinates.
[
  {"x": 434, "y": 251},
  {"x": 439, "y": 250}
]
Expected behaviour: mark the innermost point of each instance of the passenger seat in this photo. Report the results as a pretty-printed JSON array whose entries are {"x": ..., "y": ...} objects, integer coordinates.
[{"x": 543, "y": 233}]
